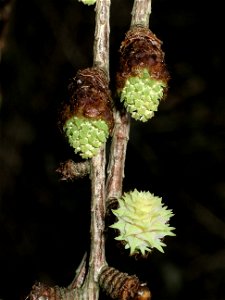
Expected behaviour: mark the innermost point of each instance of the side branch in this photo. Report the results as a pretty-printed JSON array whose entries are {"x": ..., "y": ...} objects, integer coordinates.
[
  {"x": 140, "y": 16},
  {"x": 117, "y": 156}
]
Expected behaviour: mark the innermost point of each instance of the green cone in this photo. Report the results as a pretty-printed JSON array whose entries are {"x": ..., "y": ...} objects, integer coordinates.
[
  {"x": 142, "y": 222},
  {"x": 141, "y": 95},
  {"x": 86, "y": 135}
]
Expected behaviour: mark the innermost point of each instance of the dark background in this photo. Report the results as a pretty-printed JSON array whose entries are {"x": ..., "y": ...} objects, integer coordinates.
[{"x": 178, "y": 155}]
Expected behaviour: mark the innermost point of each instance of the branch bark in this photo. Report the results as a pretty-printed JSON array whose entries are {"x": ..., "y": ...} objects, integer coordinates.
[
  {"x": 140, "y": 16},
  {"x": 141, "y": 12},
  {"x": 98, "y": 163},
  {"x": 102, "y": 32},
  {"x": 117, "y": 156}
]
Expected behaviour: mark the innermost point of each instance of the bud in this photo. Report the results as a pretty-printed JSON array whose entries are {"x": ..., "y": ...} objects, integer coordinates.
[
  {"x": 142, "y": 78},
  {"x": 142, "y": 222},
  {"x": 87, "y": 120}
]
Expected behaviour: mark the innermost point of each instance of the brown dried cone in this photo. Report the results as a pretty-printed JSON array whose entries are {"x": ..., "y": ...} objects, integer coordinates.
[
  {"x": 87, "y": 119},
  {"x": 42, "y": 291},
  {"x": 119, "y": 285},
  {"x": 142, "y": 79}
]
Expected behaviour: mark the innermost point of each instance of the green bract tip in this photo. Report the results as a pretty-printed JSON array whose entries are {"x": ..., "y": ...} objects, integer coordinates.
[
  {"x": 86, "y": 136},
  {"x": 88, "y": 2},
  {"x": 142, "y": 222},
  {"x": 141, "y": 95}
]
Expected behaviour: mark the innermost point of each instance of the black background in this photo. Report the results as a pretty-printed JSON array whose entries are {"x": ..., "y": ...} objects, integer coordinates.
[{"x": 178, "y": 155}]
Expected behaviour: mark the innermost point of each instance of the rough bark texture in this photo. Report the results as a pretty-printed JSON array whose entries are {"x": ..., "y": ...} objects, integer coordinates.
[
  {"x": 141, "y": 12},
  {"x": 102, "y": 31},
  {"x": 97, "y": 249},
  {"x": 117, "y": 156}
]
